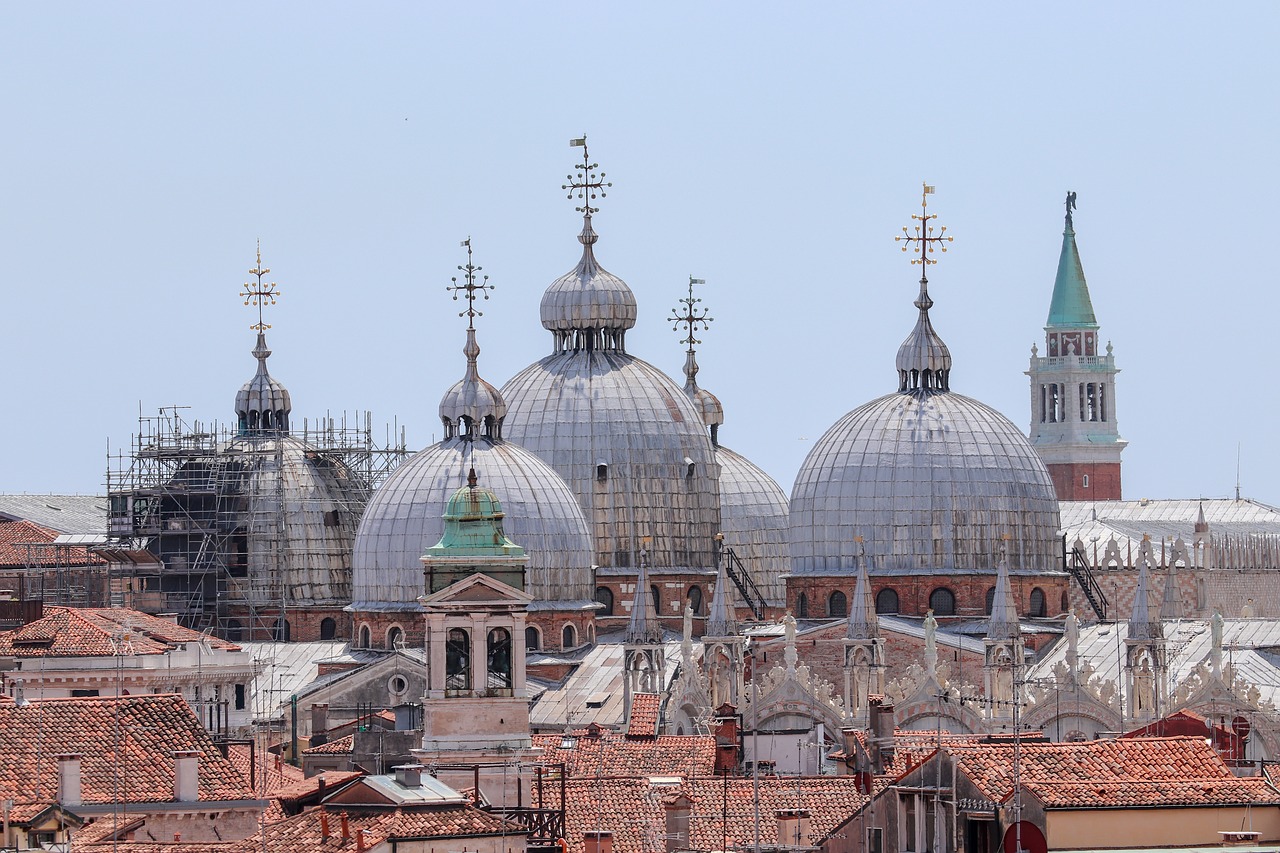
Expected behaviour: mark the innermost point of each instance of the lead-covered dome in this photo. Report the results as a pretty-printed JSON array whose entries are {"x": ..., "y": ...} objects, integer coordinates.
[
  {"x": 588, "y": 300},
  {"x": 931, "y": 480},
  {"x": 405, "y": 518},
  {"x": 754, "y": 520}
]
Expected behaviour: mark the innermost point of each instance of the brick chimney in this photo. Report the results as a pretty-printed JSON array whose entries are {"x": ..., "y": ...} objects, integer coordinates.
[
  {"x": 319, "y": 723},
  {"x": 69, "y": 779},
  {"x": 346, "y": 828},
  {"x": 881, "y": 723},
  {"x": 360, "y": 840},
  {"x": 186, "y": 775},
  {"x": 600, "y": 841}
]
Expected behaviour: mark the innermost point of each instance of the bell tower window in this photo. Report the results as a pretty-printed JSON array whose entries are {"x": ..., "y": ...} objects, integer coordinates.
[
  {"x": 499, "y": 661},
  {"x": 457, "y": 661}
]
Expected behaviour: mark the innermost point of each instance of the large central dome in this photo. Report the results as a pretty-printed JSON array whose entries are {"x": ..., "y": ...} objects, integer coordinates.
[{"x": 620, "y": 432}]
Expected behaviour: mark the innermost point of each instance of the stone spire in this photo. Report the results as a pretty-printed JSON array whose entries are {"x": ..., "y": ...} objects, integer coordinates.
[
  {"x": 643, "y": 627},
  {"x": 924, "y": 362},
  {"x": 1141, "y": 625},
  {"x": 862, "y": 623},
  {"x": 472, "y": 408},
  {"x": 1171, "y": 602},
  {"x": 262, "y": 404},
  {"x": 721, "y": 618},
  {"x": 1146, "y": 673},
  {"x": 1003, "y": 624}
]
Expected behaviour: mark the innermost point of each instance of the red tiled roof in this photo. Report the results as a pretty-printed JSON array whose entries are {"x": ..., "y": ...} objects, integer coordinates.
[
  {"x": 95, "y": 631},
  {"x": 15, "y": 535},
  {"x": 126, "y": 746},
  {"x": 269, "y": 775},
  {"x": 609, "y": 754},
  {"x": 633, "y": 809},
  {"x": 1123, "y": 772},
  {"x": 341, "y": 746},
  {"x": 310, "y": 786},
  {"x": 645, "y": 708}
]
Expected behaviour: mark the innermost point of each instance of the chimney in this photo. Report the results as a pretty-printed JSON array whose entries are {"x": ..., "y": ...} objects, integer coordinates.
[
  {"x": 324, "y": 826},
  {"x": 360, "y": 840},
  {"x": 346, "y": 828},
  {"x": 880, "y": 719},
  {"x": 793, "y": 828},
  {"x": 597, "y": 841},
  {"x": 726, "y": 740},
  {"x": 186, "y": 775},
  {"x": 69, "y": 779},
  {"x": 319, "y": 723},
  {"x": 678, "y": 812},
  {"x": 409, "y": 775}
]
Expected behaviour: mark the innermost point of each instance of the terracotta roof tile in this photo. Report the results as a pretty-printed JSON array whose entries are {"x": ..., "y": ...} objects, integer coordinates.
[
  {"x": 95, "y": 631},
  {"x": 1113, "y": 773},
  {"x": 600, "y": 752},
  {"x": 341, "y": 746},
  {"x": 645, "y": 708},
  {"x": 15, "y": 535},
  {"x": 126, "y": 746}
]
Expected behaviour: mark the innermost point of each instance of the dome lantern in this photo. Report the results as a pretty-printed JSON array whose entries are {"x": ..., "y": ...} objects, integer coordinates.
[
  {"x": 472, "y": 408},
  {"x": 924, "y": 362},
  {"x": 262, "y": 404}
]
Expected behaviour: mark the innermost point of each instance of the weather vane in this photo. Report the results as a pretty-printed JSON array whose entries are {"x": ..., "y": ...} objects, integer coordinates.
[
  {"x": 588, "y": 183},
  {"x": 693, "y": 317},
  {"x": 470, "y": 285},
  {"x": 925, "y": 241},
  {"x": 260, "y": 293}
]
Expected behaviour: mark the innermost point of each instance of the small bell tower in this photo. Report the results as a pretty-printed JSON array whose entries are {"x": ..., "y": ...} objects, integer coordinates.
[{"x": 1073, "y": 398}]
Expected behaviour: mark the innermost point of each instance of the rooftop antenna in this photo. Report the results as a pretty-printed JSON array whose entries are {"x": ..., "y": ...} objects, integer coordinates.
[{"x": 1237, "y": 470}]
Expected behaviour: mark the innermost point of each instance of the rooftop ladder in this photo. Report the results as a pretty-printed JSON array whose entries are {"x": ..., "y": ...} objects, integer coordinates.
[
  {"x": 751, "y": 593},
  {"x": 1077, "y": 564}
]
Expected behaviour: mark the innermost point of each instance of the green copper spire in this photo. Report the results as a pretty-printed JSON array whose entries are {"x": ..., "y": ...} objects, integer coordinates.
[
  {"x": 473, "y": 541},
  {"x": 1071, "y": 306}
]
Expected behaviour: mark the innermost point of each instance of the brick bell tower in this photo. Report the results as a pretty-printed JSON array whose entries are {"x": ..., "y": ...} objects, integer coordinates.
[{"x": 1073, "y": 401}]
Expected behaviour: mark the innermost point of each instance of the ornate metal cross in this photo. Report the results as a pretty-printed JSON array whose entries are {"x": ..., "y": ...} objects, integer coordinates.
[
  {"x": 693, "y": 317},
  {"x": 470, "y": 286},
  {"x": 260, "y": 293},
  {"x": 588, "y": 183},
  {"x": 925, "y": 242}
]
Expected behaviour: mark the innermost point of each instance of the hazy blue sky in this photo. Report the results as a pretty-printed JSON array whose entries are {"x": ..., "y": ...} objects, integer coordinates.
[{"x": 772, "y": 149}]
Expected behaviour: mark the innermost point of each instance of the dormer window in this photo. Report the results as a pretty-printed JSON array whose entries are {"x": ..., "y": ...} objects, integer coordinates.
[{"x": 602, "y": 472}]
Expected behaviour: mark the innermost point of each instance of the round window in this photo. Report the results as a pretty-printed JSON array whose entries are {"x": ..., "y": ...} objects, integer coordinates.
[{"x": 398, "y": 684}]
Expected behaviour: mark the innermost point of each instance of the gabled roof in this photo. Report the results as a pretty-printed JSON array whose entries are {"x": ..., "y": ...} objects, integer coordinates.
[
  {"x": 595, "y": 752},
  {"x": 645, "y": 708},
  {"x": 1113, "y": 773},
  {"x": 15, "y": 536},
  {"x": 126, "y": 746},
  {"x": 100, "y": 632}
]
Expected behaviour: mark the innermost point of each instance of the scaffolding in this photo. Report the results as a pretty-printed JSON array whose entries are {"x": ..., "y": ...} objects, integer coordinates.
[{"x": 244, "y": 526}]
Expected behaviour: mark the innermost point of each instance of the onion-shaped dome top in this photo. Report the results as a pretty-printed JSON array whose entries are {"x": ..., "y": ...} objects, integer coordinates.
[
  {"x": 631, "y": 447},
  {"x": 472, "y": 405},
  {"x": 754, "y": 519},
  {"x": 588, "y": 307},
  {"x": 262, "y": 404},
  {"x": 277, "y": 483},
  {"x": 707, "y": 404},
  {"x": 403, "y": 520},
  {"x": 931, "y": 479}
]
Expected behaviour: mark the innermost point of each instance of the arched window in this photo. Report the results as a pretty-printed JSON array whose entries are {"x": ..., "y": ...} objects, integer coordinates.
[
  {"x": 802, "y": 606},
  {"x": 591, "y": 633},
  {"x": 695, "y": 599},
  {"x": 887, "y": 600},
  {"x": 1037, "y": 603},
  {"x": 457, "y": 660},
  {"x": 395, "y": 637},
  {"x": 991, "y": 599},
  {"x": 942, "y": 602},
  {"x": 532, "y": 641},
  {"x": 328, "y": 628},
  {"x": 656, "y": 595},
  {"x": 568, "y": 637},
  {"x": 235, "y": 631},
  {"x": 1066, "y": 602},
  {"x": 499, "y": 660},
  {"x": 280, "y": 631},
  {"x": 837, "y": 604},
  {"x": 604, "y": 595},
  {"x": 366, "y": 637}
]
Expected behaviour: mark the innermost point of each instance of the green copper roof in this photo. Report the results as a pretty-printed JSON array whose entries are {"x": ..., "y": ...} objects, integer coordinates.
[
  {"x": 1071, "y": 305},
  {"x": 473, "y": 526}
]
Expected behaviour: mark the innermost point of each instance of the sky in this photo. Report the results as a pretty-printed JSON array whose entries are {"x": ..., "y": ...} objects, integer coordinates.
[{"x": 770, "y": 149}]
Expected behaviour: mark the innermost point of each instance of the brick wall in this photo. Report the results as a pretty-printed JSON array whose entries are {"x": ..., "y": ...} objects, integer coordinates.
[
  {"x": 914, "y": 591},
  {"x": 1068, "y": 480}
]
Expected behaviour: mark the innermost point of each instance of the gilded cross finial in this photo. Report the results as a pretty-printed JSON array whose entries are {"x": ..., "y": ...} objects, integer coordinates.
[
  {"x": 260, "y": 293},
  {"x": 588, "y": 182},
  {"x": 470, "y": 285},
  {"x": 924, "y": 242},
  {"x": 692, "y": 316}
]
